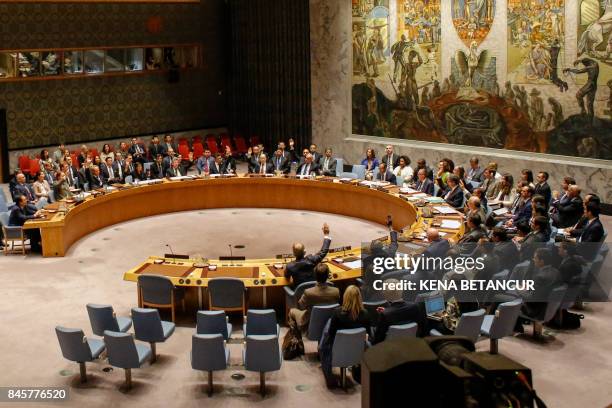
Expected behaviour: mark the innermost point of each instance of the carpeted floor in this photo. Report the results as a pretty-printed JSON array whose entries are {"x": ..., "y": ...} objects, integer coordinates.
[{"x": 38, "y": 294}]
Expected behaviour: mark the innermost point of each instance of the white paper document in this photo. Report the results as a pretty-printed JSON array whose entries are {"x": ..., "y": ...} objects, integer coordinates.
[
  {"x": 445, "y": 210},
  {"x": 450, "y": 224},
  {"x": 353, "y": 264}
]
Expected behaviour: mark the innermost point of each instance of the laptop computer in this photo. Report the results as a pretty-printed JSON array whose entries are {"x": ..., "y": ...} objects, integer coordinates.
[{"x": 434, "y": 307}]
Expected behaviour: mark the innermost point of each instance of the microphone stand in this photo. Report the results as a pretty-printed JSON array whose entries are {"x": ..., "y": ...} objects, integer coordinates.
[
  {"x": 231, "y": 255},
  {"x": 172, "y": 252}
]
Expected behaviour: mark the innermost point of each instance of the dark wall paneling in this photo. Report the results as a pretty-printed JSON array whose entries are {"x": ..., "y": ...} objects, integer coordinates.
[
  {"x": 42, "y": 113},
  {"x": 270, "y": 70}
]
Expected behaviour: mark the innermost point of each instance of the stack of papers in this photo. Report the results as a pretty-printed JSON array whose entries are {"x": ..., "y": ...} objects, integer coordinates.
[
  {"x": 450, "y": 224},
  {"x": 407, "y": 190},
  {"x": 435, "y": 199},
  {"x": 353, "y": 264},
  {"x": 445, "y": 210}
]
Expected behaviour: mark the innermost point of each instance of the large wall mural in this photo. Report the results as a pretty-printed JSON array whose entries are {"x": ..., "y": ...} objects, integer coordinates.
[{"x": 546, "y": 102}]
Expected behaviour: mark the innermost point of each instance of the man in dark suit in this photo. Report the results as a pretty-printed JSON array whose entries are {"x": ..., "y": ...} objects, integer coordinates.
[
  {"x": 546, "y": 278},
  {"x": 175, "y": 169},
  {"x": 488, "y": 181},
  {"x": 301, "y": 270},
  {"x": 155, "y": 148},
  {"x": 438, "y": 247},
  {"x": 23, "y": 189},
  {"x": 72, "y": 174},
  {"x": 423, "y": 183},
  {"x": 398, "y": 311},
  {"x": 592, "y": 234},
  {"x": 566, "y": 215},
  {"x": 169, "y": 144},
  {"x": 384, "y": 174},
  {"x": 469, "y": 241},
  {"x": 308, "y": 168},
  {"x": 422, "y": 164},
  {"x": 320, "y": 294},
  {"x": 327, "y": 164},
  {"x": 281, "y": 164},
  {"x": 20, "y": 214},
  {"x": 95, "y": 180},
  {"x": 390, "y": 158},
  {"x": 108, "y": 173},
  {"x": 138, "y": 151},
  {"x": 263, "y": 166},
  {"x": 158, "y": 170},
  {"x": 229, "y": 163},
  {"x": 316, "y": 156},
  {"x": 504, "y": 248},
  {"x": 454, "y": 194},
  {"x": 217, "y": 165},
  {"x": 474, "y": 173},
  {"x": 253, "y": 158},
  {"x": 523, "y": 208},
  {"x": 542, "y": 188},
  {"x": 537, "y": 238}
]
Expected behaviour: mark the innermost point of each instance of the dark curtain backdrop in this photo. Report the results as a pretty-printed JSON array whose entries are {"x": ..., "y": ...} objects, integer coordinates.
[{"x": 269, "y": 82}]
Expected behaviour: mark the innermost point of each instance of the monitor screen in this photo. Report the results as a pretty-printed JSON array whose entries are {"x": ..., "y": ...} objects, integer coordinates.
[{"x": 434, "y": 304}]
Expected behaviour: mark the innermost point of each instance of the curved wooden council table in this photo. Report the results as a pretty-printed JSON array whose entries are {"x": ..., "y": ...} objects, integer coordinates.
[{"x": 264, "y": 278}]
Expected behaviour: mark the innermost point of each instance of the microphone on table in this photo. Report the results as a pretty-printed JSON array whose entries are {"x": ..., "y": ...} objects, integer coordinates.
[
  {"x": 172, "y": 252},
  {"x": 231, "y": 255}
]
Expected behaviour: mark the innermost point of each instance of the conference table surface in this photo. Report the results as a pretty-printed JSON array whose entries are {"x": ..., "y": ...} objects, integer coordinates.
[{"x": 68, "y": 221}]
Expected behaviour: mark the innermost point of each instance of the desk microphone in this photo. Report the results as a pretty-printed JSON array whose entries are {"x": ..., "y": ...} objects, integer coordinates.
[
  {"x": 172, "y": 252},
  {"x": 231, "y": 255}
]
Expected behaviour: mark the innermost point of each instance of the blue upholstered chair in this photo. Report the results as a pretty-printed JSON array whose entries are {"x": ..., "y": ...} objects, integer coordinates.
[
  {"x": 359, "y": 170},
  {"x": 262, "y": 354},
  {"x": 468, "y": 326},
  {"x": 260, "y": 322},
  {"x": 159, "y": 292},
  {"x": 555, "y": 299},
  {"x": 402, "y": 330},
  {"x": 319, "y": 315},
  {"x": 124, "y": 352},
  {"x": 78, "y": 348},
  {"x": 209, "y": 353},
  {"x": 149, "y": 327},
  {"x": 102, "y": 317},
  {"x": 227, "y": 294},
  {"x": 501, "y": 324},
  {"x": 292, "y": 296},
  {"x": 213, "y": 322},
  {"x": 347, "y": 350},
  {"x": 12, "y": 235}
]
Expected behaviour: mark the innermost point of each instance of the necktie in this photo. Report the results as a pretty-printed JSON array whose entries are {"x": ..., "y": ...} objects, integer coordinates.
[
  {"x": 119, "y": 168},
  {"x": 262, "y": 169},
  {"x": 326, "y": 163},
  {"x": 111, "y": 175},
  {"x": 278, "y": 164},
  {"x": 206, "y": 166}
]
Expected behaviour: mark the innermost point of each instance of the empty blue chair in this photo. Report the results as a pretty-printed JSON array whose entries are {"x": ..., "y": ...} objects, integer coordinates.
[
  {"x": 227, "y": 294},
  {"x": 501, "y": 324},
  {"x": 359, "y": 170},
  {"x": 468, "y": 326},
  {"x": 149, "y": 327},
  {"x": 209, "y": 353},
  {"x": 292, "y": 296},
  {"x": 124, "y": 352},
  {"x": 159, "y": 292},
  {"x": 213, "y": 322},
  {"x": 11, "y": 235},
  {"x": 102, "y": 318},
  {"x": 78, "y": 348},
  {"x": 347, "y": 350},
  {"x": 260, "y": 322},
  {"x": 262, "y": 354},
  {"x": 402, "y": 330},
  {"x": 319, "y": 315}
]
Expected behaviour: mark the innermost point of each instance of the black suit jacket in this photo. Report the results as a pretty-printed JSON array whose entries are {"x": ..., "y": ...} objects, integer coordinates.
[
  {"x": 428, "y": 171},
  {"x": 395, "y": 158},
  {"x": 533, "y": 241},
  {"x": 228, "y": 162},
  {"x": 590, "y": 239},
  {"x": 390, "y": 177},
  {"x": 508, "y": 254},
  {"x": 568, "y": 214},
  {"x": 302, "y": 270},
  {"x": 455, "y": 198},
  {"x": 171, "y": 172},
  {"x": 19, "y": 216},
  {"x": 95, "y": 182},
  {"x": 269, "y": 168},
  {"x": 426, "y": 186},
  {"x": 469, "y": 241},
  {"x": 158, "y": 170},
  {"x": 105, "y": 174},
  {"x": 543, "y": 190},
  {"x": 437, "y": 249},
  {"x": 400, "y": 312},
  {"x": 313, "y": 168},
  {"x": 281, "y": 164},
  {"x": 25, "y": 190},
  {"x": 155, "y": 149}
]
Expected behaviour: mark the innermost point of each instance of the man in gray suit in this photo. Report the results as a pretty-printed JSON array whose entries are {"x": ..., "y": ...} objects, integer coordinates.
[{"x": 328, "y": 164}]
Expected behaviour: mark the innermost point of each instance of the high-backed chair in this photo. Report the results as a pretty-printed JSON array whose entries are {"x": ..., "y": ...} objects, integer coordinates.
[
  {"x": 213, "y": 322},
  {"x": 149, "y": 327},
  {"x": 292, "y": 296},
  {"x": 372, "y": 308},
  {"x": 501, "y": 324},
  {"x": 552, "y": 306},
  {"x": 124, "y": 352},
  {"x": 468, "y": 326},
  {"x": 402, "y": 330},
  {"x": 11, "y": 235},
  {"x": 78, "y": 348},
  {"x": 319, "y": 315},
  {"x": 260, "y": 322},
  {"x": 209, "y": 353},
  {"x": 347, "y": 349},
  {"x": 262, "y": 354},
  {"x": 159, "y": 292},
  {"x": 102, "y": 317},
  {"x": 227, "y": 294},
  {"x": 359, "y": 170}
]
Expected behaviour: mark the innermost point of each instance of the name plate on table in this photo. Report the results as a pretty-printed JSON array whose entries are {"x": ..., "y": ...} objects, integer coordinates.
[
  {"x": 341, "y": 249},
  {"x": 284, "y": 256}
]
